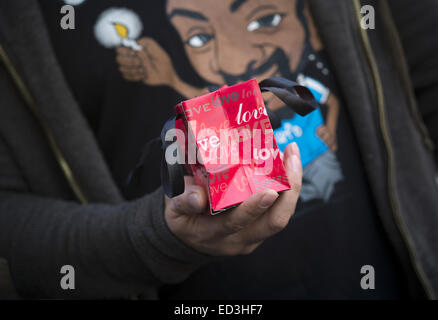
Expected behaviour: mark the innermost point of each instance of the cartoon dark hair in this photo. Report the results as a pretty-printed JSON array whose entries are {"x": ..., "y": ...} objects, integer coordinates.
[{"x": 299, "y": 9}]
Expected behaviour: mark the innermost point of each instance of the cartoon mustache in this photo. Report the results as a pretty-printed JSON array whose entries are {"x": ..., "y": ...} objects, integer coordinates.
[{"x": 278, "y": 58}]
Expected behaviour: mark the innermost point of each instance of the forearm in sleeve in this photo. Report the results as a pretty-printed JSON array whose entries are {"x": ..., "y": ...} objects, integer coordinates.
[{"x": 115, "y": 250}]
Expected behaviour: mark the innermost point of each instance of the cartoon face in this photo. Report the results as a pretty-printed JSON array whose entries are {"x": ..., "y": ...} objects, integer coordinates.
[{"x": 230, "y": 41}]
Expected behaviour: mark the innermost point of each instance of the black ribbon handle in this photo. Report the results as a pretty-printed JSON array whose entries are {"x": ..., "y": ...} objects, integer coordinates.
[
  {"x": 297, "y": 97},
  {"x": 172, "y": 175}
]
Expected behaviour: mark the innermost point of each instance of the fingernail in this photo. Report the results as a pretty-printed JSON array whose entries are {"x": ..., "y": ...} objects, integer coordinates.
[
  {"x": 194, "y": 199},
  {"x": 295, "y": 149},
  {"x": 295, "y": 163},
  {"x": 268, "y": 200}
]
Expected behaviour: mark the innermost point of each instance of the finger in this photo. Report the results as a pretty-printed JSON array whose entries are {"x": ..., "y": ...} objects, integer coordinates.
[
  {"x": 329, "y": 141},
  {"x": 324, "y": 135},
  {"x": 278, "y": 216},
  {"x": 130, "y": 71},
  {"x": 148, "y": 60},
  {"x": 125, "y": 52},
  {"x": 193, "y": 201},
  {"x": 128, "y": 61},
  {"x": 320, "y": 130},
  {"x": 295, "y": 150},
  {"x": 153, "y": 54},
  {"x": 132, "y": 76},
  {"x": 294, "y": 171},
  {"x": 150, "y": 43},
  {"x": 130, "y": 68},
  {"x": 245, "y": 214}
]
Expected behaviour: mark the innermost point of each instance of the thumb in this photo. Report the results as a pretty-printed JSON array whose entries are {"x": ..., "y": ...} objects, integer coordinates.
[{"x": 193, "y": 201}]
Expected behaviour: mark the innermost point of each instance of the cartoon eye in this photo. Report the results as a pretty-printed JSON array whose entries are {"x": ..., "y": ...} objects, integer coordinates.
[
  {"x": 199, "y": 40},
  {"x": 271, "y": 20}
]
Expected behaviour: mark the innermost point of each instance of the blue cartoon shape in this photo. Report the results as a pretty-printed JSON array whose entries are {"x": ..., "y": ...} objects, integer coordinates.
[{"x": 302, "y": 130}]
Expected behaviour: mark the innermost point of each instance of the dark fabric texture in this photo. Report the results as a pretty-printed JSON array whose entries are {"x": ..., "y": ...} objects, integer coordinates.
[
  {"x": 352, "y": 72},
  {"x": 410, "y": 178},
  {"x": 8, "y": 290},
  {"x": 116, "y": 250},
  {"x": 30, "y": 52},
  {"x": 127, "y": 245},
  {"x": 418, "y": 39}
]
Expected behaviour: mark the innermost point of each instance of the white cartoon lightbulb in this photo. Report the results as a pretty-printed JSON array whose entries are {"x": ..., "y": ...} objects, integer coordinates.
[{"x": 118, "y": 27}]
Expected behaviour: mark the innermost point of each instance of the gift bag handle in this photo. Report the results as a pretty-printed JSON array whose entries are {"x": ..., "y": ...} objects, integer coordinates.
[{"x": 295, "y": 96}]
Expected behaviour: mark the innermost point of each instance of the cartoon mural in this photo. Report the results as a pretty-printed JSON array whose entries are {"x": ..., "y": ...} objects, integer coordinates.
[{"x": 230, "y": 41}]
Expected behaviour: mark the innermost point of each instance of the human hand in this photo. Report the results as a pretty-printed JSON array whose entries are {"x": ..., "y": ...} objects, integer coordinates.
[{"x": 242, "y": 229}]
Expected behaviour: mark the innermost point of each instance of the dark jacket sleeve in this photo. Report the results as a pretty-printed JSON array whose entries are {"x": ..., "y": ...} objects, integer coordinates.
[
  {"x": 116, "y": 250},
  {"x": 417, "y": 24}
]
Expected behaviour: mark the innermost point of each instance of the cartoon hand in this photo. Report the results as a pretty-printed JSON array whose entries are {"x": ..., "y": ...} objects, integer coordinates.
[
  {"x": 328, "y": 137},
  {"x": 151, "y": 64}
]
